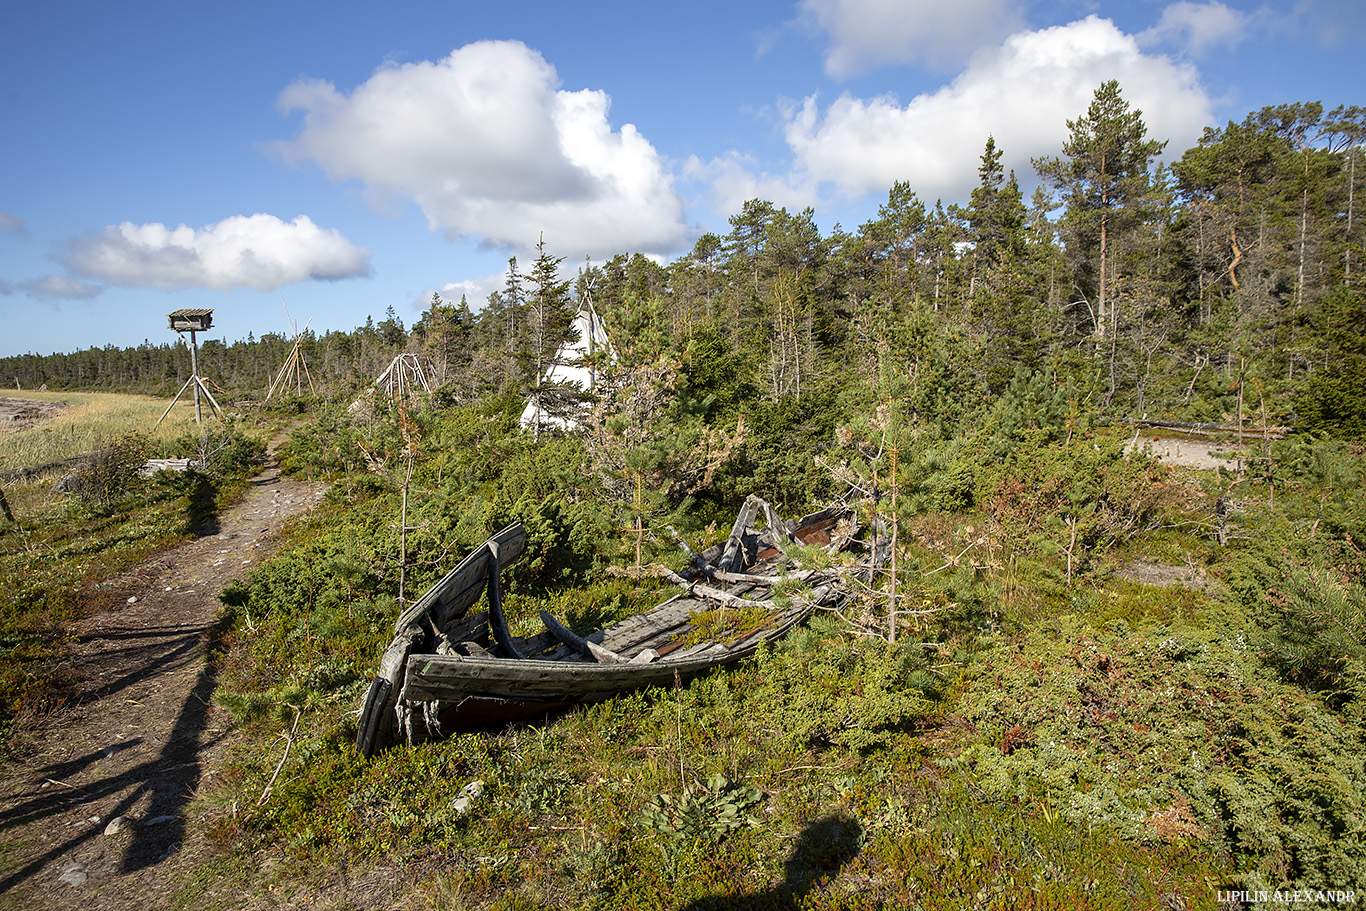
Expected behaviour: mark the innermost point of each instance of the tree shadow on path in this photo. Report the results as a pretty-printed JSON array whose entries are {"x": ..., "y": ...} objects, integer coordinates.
[{"x": 164, "y": 784}]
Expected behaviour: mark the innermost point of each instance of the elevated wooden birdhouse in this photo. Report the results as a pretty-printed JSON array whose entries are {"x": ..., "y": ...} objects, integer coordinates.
[{"x": 190, "y": 320}]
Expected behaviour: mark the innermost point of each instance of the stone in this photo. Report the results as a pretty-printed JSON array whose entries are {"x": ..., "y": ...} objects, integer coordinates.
[
  {"x": 116, "y": 825},
  {"x": 468, "y": 795}
]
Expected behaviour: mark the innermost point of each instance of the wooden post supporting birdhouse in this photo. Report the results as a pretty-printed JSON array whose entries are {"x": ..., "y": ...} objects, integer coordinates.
[{"x": 192, "y": 321}]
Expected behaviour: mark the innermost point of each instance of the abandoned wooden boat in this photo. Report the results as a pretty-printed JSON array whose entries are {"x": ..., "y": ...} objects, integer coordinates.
[{"x": 451, "y": 669}]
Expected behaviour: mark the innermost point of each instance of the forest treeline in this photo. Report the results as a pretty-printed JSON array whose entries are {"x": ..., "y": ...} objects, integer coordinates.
[{"x": 1225, "y": 286}]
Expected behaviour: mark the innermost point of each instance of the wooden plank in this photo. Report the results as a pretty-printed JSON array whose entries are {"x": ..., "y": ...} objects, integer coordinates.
[
  {"x": 733, "y": 557},
  {"x": 377, "y": 727},
  {"x": 651, "y": 628},
  {"x": 453, "y": 677},
  {"x": 449, "y": 598},
  {"x": 471, "y": 626},
  {"x": 536, "y": 645},
  {"x": 753, "y": 579}
]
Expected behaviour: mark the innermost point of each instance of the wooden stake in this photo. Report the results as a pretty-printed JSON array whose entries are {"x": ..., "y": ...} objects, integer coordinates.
[{"x": 4, "y": 507}]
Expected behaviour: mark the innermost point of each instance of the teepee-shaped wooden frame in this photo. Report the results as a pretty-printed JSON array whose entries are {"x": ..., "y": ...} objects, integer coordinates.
[
  {"x": 405, "y": 376},
  {"x": 295, "y": 368}
]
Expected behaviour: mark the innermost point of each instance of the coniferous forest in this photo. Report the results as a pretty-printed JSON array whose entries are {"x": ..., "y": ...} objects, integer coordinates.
[
  {"x": 1092, "y": 680},
  {"x": 1227, "y": 281}
]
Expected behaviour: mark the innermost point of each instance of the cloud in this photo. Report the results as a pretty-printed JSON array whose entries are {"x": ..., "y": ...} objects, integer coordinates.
[
  {"x": 11, "y": 224},
  {"x": 1331, "y": 23},
  {"x": 865, "y": 34},
  {"x": 732, "y": 179},
  {"x": 475, "y": 291},
  {"x": 472, "y": 289},
  {"x": 1198, "y": 27},
  {"x": 245, "y": 251},
  {"x": 53, "y": 288},
  {"x": 488, "y": 146},
  {"x": 1023, "y": 93}
]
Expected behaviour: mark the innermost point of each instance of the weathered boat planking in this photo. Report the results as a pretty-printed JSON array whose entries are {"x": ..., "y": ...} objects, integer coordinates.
[{"x": 450, "y": 669}]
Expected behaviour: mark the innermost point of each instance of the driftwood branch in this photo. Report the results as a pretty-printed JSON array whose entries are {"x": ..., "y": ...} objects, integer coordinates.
[
  {"x": 575, "y": 641},
  {"x": 692, "y": 587},
  {"x": 697, "y": 559},
  {"x": 289, "y": 743}
]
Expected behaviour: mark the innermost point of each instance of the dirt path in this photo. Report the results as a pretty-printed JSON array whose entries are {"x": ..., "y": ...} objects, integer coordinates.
[{"x": 94, "y": 816}]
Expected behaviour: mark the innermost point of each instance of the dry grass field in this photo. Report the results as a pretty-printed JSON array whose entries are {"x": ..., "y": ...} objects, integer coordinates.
[{"x": 41, "y": 427}]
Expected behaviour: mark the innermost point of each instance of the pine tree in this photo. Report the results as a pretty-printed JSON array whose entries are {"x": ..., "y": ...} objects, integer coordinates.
[
  {"x": 548, "y": 322},
  {"x": 1103, "y": 178}
]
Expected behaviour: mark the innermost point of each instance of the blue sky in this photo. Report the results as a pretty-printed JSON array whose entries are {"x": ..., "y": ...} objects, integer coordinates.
[{"x": 348, "y": 157}]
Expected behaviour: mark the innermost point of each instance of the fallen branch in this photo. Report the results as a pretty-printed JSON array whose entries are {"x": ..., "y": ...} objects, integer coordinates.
[
  {"x": 705, "y": 592},
  {"x": 289, "y": 743},
  {"x": 953, "y": 561},
  {"x": 698, "y": 560}
]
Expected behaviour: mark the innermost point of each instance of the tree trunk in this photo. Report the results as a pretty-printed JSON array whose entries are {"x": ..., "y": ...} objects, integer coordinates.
[
  {"x": 1351, "y": 201},
  {"x": 1237, "y": 258},
  {"x": 1101, "y": 302},
  {"x": 891, "y": 595}
]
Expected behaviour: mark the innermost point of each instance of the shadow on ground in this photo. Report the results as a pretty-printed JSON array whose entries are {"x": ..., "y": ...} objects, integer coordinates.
[
  {"x": 201, "y": 508},
  {"x": 164, "y": 784},
  {"x": 825, "y": 846}
]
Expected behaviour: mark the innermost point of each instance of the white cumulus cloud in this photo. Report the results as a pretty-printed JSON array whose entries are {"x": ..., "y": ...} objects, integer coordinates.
[
  {"x": 244, "y": 251},
  {"x": 489, "y": 146},
  {"x": 864, "y": 34},
  {"x": 1022, "y": 93},
  {"x": 475, "y": 291},
  {"x": 1198, "y": 27},
  {"x": 733, "y": 178}
]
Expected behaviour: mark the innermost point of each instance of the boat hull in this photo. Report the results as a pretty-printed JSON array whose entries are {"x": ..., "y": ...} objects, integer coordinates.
[{"x": 449, "y": 670}]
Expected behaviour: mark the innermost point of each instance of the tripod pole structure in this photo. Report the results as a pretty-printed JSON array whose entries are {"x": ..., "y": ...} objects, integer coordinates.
[
  {"x": 192, "y": 321},
  {"x": 184, "y": 386}
]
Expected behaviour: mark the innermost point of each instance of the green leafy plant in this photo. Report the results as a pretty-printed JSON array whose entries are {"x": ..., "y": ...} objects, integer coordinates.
[
  {"x": 705, "y": 811},
  {"x": 541, "y": 791}
]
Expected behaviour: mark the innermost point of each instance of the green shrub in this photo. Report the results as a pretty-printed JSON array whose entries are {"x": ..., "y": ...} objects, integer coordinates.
[
  {"x": 1172, "y": 733},
  {"x": 109, "y": 474}
]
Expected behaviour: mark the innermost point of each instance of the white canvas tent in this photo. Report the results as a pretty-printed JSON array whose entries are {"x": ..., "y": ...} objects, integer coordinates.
[{"x": 569, "y": 368}]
